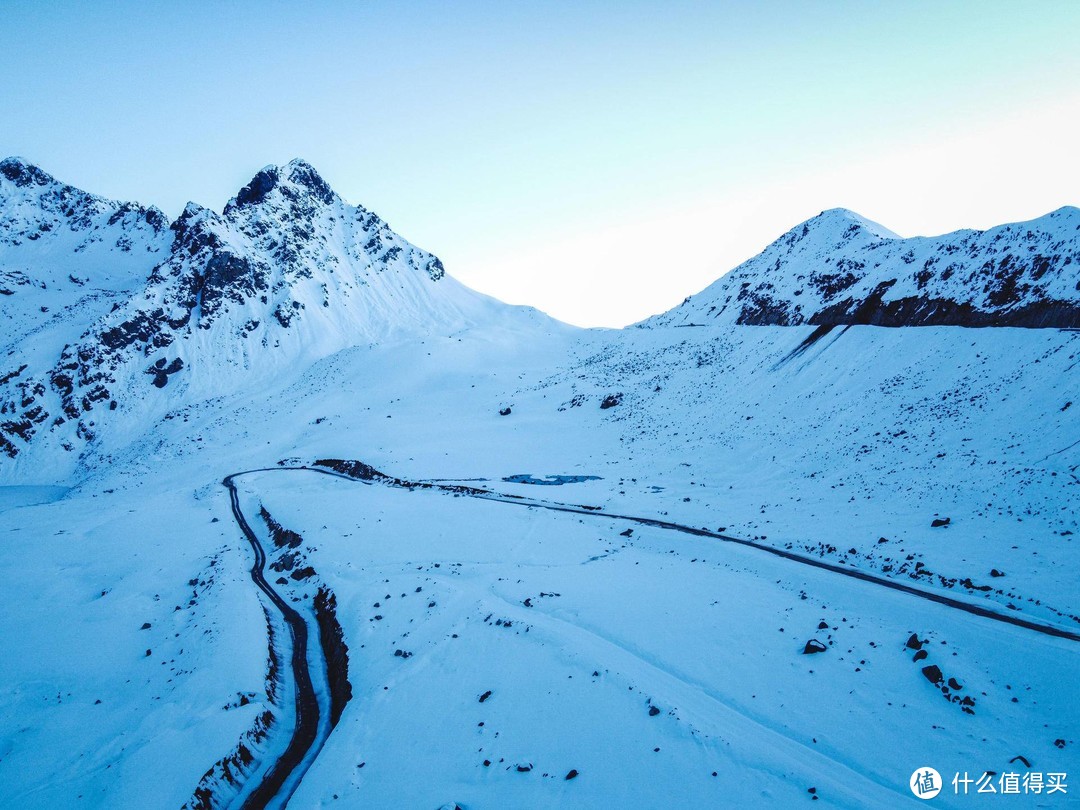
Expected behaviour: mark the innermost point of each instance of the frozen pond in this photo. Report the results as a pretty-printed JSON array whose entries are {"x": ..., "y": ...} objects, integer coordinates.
[
  {"x": 550, "y": 480},
  {"x": 16, "y": 496}
]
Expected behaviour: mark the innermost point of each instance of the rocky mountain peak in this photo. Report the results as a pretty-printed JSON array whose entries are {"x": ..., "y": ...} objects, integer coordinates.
[
  {"x": 23, "y": 173},
  {"x": 191, "y": 210},
  {"x": 849, "y": 222},
  {"x": 832, "y": 230},
  {"x": 296, "y": 183}
]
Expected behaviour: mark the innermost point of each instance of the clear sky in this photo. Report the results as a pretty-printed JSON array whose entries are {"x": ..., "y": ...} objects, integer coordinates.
[{"x": 598, "y": 160}]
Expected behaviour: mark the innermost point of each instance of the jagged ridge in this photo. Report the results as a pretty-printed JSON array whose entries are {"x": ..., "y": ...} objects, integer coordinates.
[
  {"x": 839, "y": 268},
  {"x": 287, "y": 273}
]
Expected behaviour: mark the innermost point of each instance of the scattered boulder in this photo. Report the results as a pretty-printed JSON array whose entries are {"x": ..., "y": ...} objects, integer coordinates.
[
  {"x": 571, "y": 774},
  {"x": 920, "y": 655},
  {"x": 813, "y": 646},
  {"x": 995, "y": 573},
  {"x": 504, "y": 411},
  {"x": 485, "y": 696},
  {"x": 913, "y": 642},
  {"x": 1060, "y": 743},
  {"x": 525, "y": 768},
  {"x": 933, "y": 674},
  {"x": 937, "y": 523},
  {"x": 610, "y": 401},
  {"x": 653, "y": 711},
  {"x": 160, "y": 372},
  {"x": 286, "y": 562}
]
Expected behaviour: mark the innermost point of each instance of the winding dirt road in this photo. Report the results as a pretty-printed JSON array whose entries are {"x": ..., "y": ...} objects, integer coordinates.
[
  {"x": 591, "y": 511},
  {"x": 281, "y": 780}
]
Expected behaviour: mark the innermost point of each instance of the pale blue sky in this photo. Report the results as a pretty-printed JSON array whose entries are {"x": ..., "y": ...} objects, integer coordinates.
[{"x": 599, "y": 160}]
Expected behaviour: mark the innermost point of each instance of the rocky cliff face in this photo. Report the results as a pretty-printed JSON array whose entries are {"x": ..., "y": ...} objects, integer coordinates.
[
  {"x": 286, "y": 274},
  {"x": 839, "y": 268}
]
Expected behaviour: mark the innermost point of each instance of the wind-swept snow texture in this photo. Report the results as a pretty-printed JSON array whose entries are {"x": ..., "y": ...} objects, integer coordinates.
[{"x": 497, "y": 655}]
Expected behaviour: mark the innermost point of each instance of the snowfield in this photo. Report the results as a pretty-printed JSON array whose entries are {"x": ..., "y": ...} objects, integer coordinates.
[{"x": 491, "y": 653}]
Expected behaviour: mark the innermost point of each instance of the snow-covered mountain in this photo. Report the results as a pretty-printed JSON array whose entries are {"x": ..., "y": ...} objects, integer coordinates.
[
  {"x": 67, "y": 258},
  {"x": 839, "y": 268},
  {"x": 286, "y": 274},
  {"x": 63, "y": 251},
  {"x": 658, "y": 566}
]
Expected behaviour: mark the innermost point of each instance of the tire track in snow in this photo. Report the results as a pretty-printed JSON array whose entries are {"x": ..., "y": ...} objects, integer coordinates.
[{"x": 726, "y": 722}]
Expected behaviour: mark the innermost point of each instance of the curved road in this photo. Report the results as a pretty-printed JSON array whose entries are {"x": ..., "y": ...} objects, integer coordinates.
[
  {"x": 306, "y": 731},
  {"x": 884, "y": 582},
  {"x": 281, "y": 780},
  {"x": 941, "y": 599}
]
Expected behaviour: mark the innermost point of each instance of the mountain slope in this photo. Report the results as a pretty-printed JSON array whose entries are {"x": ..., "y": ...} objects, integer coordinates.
[
  {"x": 286, "y": 274},
  {"x": 61, "y": 248},
  {"x": 66, "y": 258},
  {"x": 839, "y": 268}
]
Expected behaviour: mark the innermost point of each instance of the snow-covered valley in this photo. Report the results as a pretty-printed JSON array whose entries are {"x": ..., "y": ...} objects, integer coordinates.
[{"x": 649, "y": 665}]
